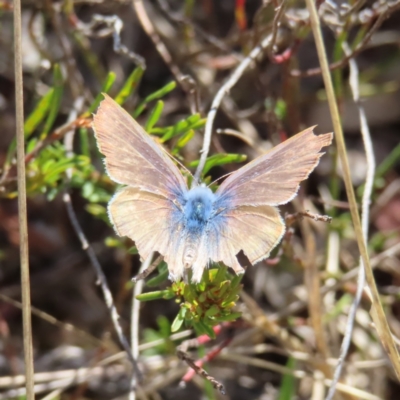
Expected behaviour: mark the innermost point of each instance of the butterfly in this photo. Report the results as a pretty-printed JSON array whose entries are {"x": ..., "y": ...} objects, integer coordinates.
[{"x": 192, "y": 227}]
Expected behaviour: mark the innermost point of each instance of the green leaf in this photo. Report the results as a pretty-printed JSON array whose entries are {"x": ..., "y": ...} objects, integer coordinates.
[
  {"x": 130, "y": 85},
  {"x": 55, "y": 100},
  {"x": 39, "y": 113},
  {"x": 169, "y": 87},
  {"x": 154, "y": 96},
  {"x": 108, "y": 82},
  {"x": 133, "y": 250},
  {"x": 160, "y": 278},
  {"x": 228, "y": 317},
  {"x": 111, "y": 241},
  {"x": 97, "y": 210},
  {"x": 204, "y": 329},
  {"x": 154, "y": 115},
  {"x": 184, "y": 140},
  {"x": 178, "y": 321},
  {"x": 388, "y": 163},
  {"x": 212, "y": 311},
  {"x": 84, "y": 142},
  {"x": 288, "y": 384},
  {"x": 219, "y": 159},
  {"x": 159, "y": 294},
  {"x": 280, "y": 109},
  {"x": 193, "y": 122}
]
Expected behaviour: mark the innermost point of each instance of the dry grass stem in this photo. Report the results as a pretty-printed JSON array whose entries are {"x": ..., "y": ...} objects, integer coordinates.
[
  {"x": 377, "y": 311},
  {"x": 22, "y": 208}
]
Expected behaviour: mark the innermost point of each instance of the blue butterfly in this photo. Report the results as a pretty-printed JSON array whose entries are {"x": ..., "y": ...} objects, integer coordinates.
[{"x": 192, "y": 227}]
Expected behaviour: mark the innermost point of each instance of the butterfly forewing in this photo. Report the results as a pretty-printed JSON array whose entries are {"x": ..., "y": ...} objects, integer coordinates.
[
  {"x": 274, "y": 178},
  {"x": 132, "y": 156}
]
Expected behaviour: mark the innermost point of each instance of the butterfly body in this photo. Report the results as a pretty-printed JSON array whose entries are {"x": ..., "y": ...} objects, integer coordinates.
[
  {"x": 192, "y": 227},
  {"x": 198, "y": 211}
]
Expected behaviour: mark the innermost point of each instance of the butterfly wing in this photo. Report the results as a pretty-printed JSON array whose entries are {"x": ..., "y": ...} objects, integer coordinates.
[
  {"x": 274, "y": 178},
  {"x": 152, "y": 223},
  {"x": 249, "y": 222},
  {"x": 253, "y": 230},
  {"x": 144, "y": 210},
  {"x": 132, "y": 157}
]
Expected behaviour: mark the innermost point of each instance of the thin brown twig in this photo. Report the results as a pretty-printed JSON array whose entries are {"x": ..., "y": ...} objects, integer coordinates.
[
  {"x": 290, "y": 218},
  {"x": 148, "y": 27},
  {"x": 135, "y": 317},
  {"x": 143, "y": 274},
  {"x": 275, "y": 27},
  {"x": 341, "y": 63},
  {"x": 114, "y": 25},
  {"x": 22, "y": 208},
  {"x": 299, "y": 305},
  {"x": 299, "y": 374},
  {"x": 52, "y": 320},
  {"x": 312, "y": 282},
  {"x": 199, "y": 370},
  {"x": 181, "y": 19}
]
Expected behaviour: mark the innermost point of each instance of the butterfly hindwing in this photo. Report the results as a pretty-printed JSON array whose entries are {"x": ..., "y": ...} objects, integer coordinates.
[{"x": 253, "y": 230}]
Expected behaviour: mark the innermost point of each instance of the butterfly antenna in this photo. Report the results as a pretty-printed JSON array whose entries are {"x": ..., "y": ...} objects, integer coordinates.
[
  {"x": 221, "y": 177},
  {"x": 177, "y": 161}
]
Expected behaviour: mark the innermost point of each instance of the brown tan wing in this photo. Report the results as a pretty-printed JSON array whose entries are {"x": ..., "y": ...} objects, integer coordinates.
[
  {"x": 274, "y": 178},
  {"x": 147, "y": 219},
  {"x": 132, "y": 157},
  {"x": 255, "y": 230}
]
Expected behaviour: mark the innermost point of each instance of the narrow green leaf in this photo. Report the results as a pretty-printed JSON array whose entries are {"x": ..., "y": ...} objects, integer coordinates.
[
  {"x": 193, "y": 122},
  {"x": 130, "y": 85},
  {"x": 219, "y": 159},
  {"x": 212, "y": 311},
  {"x": 229, "y": 317},
  {"x": 39, "y": 113},
  {"x": 108, "y": 82},
  {"x": 178, "y": 321},
  {"x": 160, "y": 278},
  {"x": 159, "y": 294},
  {"x": 288, "y": 384},
  {"x": 154, "y": 115},
  {"x": 184, "y": 140},
  {"x": 84, "y": 142},
  {"x": 389, "y": 162},
  {"x": 154, "y": 96},
  {"x": 204, "y": 329},
  {"x": 133, "y": 250},
  {"x": 169, "y": 87},
  {"x": 55, "y": 100}
]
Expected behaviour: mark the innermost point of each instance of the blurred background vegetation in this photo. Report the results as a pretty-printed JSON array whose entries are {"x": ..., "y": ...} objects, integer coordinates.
[{"x": 164, "y": 61}]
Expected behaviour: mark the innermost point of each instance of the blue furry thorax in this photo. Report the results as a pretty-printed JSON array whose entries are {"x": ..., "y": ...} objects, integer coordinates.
[{"x": 198, "y": 208}]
